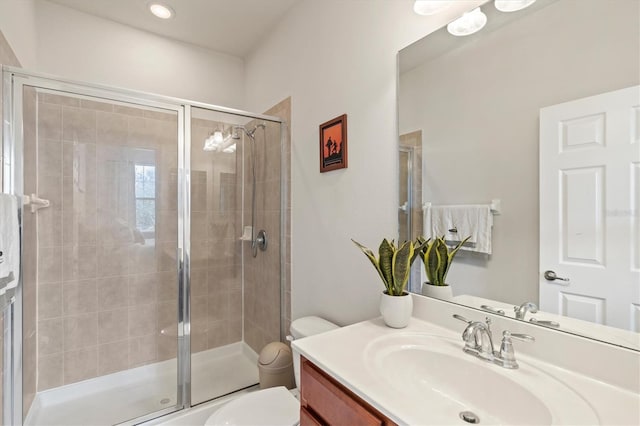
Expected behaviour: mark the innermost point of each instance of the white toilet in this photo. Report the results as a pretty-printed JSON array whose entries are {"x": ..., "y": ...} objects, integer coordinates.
[{"x": 272, "y": 406}]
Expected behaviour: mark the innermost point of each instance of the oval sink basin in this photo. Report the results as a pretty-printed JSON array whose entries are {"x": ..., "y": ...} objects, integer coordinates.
[{"x": 434, "y": 370}]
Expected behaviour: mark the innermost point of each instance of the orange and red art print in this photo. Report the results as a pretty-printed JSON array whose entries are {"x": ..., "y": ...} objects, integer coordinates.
[{"x": 333, "y": 144}]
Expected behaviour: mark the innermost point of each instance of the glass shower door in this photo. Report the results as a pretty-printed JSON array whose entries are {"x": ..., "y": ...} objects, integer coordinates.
[
  {"x": 218, "y": 364},
  {"x": 235, "y": 296},
  {"x": 100, "y": 280}
]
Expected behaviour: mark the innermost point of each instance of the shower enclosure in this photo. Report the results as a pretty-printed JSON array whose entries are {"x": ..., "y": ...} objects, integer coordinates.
[
  {"x": 139, "y": 291},
  {"x": 410, "y": 210}
]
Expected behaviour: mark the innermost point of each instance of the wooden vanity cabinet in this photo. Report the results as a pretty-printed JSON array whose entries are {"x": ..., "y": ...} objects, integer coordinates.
[{"x": 324, "y": 401}]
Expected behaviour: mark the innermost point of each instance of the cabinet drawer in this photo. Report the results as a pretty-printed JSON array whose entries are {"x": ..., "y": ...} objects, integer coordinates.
[
  {"x": 330, "y": 402},
  {"x": 308, "y": 419}
]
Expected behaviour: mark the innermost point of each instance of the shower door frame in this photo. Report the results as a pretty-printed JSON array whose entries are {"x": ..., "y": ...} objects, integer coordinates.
[
  {"x": 14, "y": 80},
  {"x": 409, "y": 207}
]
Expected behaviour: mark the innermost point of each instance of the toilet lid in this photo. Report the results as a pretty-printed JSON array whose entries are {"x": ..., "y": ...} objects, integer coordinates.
[{"x": 272, "y": 406}]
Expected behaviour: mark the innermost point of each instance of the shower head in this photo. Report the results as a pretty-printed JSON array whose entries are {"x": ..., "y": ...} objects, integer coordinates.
[
  {"x": 250, "y": 133},
  {"x": 235, "y": 134}
]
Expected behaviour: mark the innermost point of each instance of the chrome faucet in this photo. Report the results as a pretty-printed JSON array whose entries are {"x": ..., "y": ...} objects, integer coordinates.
[
  {"x": 522, "y": 310},
  {"x": 478, "y": 342}
]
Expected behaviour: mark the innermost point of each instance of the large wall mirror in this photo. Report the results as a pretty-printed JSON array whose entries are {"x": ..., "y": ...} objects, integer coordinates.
[{"x": 541, "y": 111}]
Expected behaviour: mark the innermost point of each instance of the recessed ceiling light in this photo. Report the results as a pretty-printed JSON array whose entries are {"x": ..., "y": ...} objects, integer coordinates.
[
  {"x": 468, "y": 23},
  {"x": 161, "y": 11},
  {"x": 512, "y": 5}
]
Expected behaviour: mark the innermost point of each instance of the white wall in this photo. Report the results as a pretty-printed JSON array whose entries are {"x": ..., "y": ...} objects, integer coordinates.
[
  {"x": 57, "y": 40},
  {"x": 334, "y": 57},
  {"x": 18, "y": 24},
  {"x": 481, "y": 133}
]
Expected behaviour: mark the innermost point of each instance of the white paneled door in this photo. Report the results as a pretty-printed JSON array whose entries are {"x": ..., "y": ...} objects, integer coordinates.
[{"x": 590, "y": 207}]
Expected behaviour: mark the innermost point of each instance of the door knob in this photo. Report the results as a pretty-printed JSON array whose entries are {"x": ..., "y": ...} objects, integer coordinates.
[{"x": 551, "y": 276}]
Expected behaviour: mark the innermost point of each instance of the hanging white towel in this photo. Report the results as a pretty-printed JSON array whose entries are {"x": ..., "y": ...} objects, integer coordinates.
[
  {"x": 456, "y": 223},
  {"x": 9, "y": 242}
]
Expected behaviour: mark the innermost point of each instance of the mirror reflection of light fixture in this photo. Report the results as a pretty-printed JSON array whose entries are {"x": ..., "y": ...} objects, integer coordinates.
[
  {"x": 468, "y": 23},
  {"x": 209, "y": 144},
  {"x": 217, "y": 137},
  {"x": 230, "y": 149},
  {"x": 217, "y": 142},
  {"x": 512, "y": 5},
  {"x": 430, "y": 7},
  {"x": 214, "y": 141}
]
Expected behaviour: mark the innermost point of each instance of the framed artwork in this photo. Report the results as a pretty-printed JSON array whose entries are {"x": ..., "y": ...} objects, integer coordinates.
[{"x": 333, "y": 144}]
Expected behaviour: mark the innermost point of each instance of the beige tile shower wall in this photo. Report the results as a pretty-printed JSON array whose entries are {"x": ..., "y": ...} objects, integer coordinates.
[
  {"x": 7, "y": 57},
  {"x": 106, "y": 295},
  {"x": 262, "y": 273},
  {"x": 216, "y": 291}
]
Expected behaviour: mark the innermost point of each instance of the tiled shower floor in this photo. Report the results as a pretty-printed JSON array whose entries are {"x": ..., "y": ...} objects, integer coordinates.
[{"x": 129, "y": 394}]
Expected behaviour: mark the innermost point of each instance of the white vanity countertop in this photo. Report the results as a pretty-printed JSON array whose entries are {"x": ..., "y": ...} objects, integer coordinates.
[{"x": 348, "y": 355}]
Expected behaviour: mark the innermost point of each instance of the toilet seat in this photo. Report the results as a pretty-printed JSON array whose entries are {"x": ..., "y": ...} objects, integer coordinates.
[{"x": 273, "y": 406}]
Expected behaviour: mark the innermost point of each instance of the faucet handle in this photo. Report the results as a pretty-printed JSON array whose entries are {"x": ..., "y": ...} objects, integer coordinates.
[
  {"x": 519, "y": 336},
  {"x": 461, "y": 318},
  {"x": 507, "y": 354}
]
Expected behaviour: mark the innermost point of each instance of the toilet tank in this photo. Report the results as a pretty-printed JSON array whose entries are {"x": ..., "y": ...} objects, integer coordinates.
[
  {"x": 310, "y": 326},
  {"x": 305, "y": 327}
]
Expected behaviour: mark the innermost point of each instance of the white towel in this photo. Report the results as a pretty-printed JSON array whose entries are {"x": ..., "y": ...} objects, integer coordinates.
[
  {"x": 456, "y": 223},
  {"x": 9, "y": 240}
]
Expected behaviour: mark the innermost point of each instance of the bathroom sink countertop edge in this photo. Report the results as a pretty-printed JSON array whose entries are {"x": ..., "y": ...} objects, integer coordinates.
[{"x": 346, "y": 354}]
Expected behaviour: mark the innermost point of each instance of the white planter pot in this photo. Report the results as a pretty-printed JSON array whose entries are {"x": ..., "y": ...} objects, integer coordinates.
[
  {"x": 442, "y": 292},
  {"x": 396, "y": 310}
]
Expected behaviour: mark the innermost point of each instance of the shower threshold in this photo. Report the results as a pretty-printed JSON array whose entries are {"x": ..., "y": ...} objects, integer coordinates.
[{"x": 132, "y": 393}]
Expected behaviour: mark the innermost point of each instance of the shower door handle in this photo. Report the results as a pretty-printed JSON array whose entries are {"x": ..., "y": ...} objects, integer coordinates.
[
  {"x": 6, "y": 299},
  {"x": 6, "y": 280}
]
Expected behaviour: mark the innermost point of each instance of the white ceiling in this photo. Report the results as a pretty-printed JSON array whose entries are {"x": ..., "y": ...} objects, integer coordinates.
[{"x": 228, "y": 26}]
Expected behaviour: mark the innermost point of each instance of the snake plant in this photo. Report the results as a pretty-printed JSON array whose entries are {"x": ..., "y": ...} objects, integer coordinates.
[
  {"x": 437, "y": 258},
  {"x": 393, "y": 263}
]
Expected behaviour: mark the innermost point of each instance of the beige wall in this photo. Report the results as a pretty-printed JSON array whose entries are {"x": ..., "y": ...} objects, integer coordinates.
[
  {"x": 262, "y": 314},
  {"x": 478, "y": 107},
  {"x": 283, "y": 110}
]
